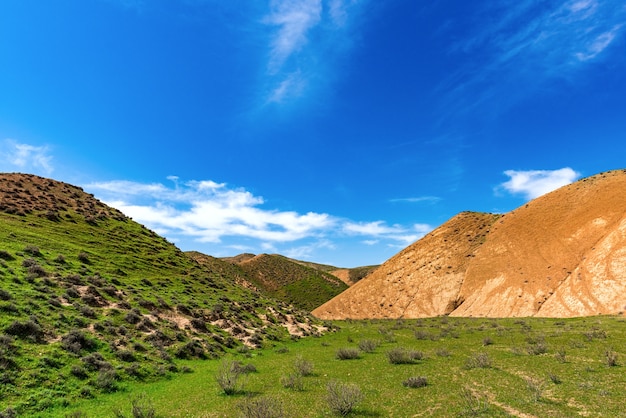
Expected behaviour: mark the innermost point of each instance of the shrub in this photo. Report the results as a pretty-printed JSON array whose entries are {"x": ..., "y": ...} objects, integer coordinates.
[
  {"x": 5, "y": 295},
  {"x": 472, "y": 404},
  {"x": 487, "y": 341},
  {"x": 554, "y": 378},
  {"x": 537, "y": 347},
  {"x": 228, "y": 377},
  {"x": 478, "y": 361},
  {"x": 5, "y": 255},
  {"x": 261, "y": 407},
  {"x": 610, "y": 357},
  {"x": 368, "y": 346},
  {"x": 535, "y": 387},
  {"x": 83, "y": 257},
  {"x": 26, "y": 330},
  {"x": 560, "y": 355},
  {"x": 75, "y": 341},
  {"x": 401, "y": 355},
  {"x": 106, "y": 380},
  {"x": 303, "y": 367},
  {"x": 141, "y": 407},
  {"x": 95, "y": 361},
  {"x": 415, "y": 382},
  {"x": 342, "y": 398},
  {"x": 347, "y": 354},
  {"x": 443, "y": 352},
  {"x": 292, "y": 381},
  {"x": 32, "y": 250}
]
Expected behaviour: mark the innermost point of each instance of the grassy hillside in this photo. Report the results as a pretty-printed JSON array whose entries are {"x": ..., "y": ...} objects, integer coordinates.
[
  {"x": 291, "y": 281},
  {"x": 436, "y": 367},
  {"x": 90, "y": 300}
]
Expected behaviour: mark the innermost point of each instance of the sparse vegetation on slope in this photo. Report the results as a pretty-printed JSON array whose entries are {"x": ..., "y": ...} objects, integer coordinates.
[
  {"x": 290, "y": 281},
  {"x": 91, "y": 300},
  {"x": 502, "y": 379}
]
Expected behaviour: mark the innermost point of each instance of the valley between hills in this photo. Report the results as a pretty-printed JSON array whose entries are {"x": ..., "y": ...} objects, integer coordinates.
[{"x": 93, "y": 303}]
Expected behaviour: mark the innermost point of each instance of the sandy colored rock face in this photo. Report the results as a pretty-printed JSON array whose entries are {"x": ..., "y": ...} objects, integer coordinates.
[{"x": 560, "y": 255}]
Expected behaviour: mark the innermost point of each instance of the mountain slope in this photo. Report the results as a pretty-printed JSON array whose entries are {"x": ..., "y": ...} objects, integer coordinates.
[
  {"x": 90, "y": 298},
  {"x": 290, "y": 281},
  {"x": 422, "y": 280},
  {"x": 560, "y": 255}
]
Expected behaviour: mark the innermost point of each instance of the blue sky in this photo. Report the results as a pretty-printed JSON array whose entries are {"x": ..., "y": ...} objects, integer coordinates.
[{"x": 336, "y": 131}]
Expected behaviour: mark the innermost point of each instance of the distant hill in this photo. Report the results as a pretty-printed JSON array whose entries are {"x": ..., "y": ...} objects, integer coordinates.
[
  {"x": 561, "y": 255},
  {"x": 303, "y": 284},
  {"x": 89, "y": 298}
]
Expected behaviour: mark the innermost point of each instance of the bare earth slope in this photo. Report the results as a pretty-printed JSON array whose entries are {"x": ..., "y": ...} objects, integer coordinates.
[
  {"x": 422, "y": 280},
  {"x": 561, "y": 255}
]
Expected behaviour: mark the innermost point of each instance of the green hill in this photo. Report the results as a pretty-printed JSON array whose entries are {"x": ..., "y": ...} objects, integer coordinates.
[
  {"x": 299, "y": 283},
  {"x": 90, "y": 299}
]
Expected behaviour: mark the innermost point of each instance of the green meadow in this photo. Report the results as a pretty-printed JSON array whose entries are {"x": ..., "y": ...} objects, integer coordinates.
[{"x": 430, "y": 367}]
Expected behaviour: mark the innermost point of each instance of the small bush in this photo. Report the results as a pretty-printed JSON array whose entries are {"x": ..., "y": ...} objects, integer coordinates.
[
  {"x": 75, "y": 341},
  {"x": 4, "y": 295},
  {"x": 537, "y": 347},
  {"x": 401, "y": 355},
  {"x": 26, "y": 330},
  {"x": 261, "y": 407},
  {"x": 342, "y": 398},
  {"x": 347, "y": 354},
  {"x": 415, "y": 382},
  {"x": 443, "y": 352},
  {"x": 478, "y": 361},
  {"x": 560, "y": 355},
  {"x": 472, "y": 404},
  {"x": 32, "y": 250},
  {"x": 106, "y": 380},
  {"x": 368, "y": 346},
  {"x": 303, "y": 367},
  {"x": 554, "y": 378},
  {"x": 141, "y": 407},
  {"x": 487, "y": 341},
  {"x": 83, "y": 257},
  {"x": 535, "y": 388},
  {"x": 610, "y": 358},
  {"x": 292, "y": 381},
  {"x": 228, "y": 377},
  {"x": 5, "y": 255}
]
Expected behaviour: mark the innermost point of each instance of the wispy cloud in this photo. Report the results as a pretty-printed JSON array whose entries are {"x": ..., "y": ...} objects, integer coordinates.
[
  {"x": 420, "y": 199},
  {"x": 293, "y": 20},
  {"x": 305, "y": 37},
  {"x": 526, "y": 43},
  {"x": 17, "y": 156},
  {"x": 534, "y": 183}
]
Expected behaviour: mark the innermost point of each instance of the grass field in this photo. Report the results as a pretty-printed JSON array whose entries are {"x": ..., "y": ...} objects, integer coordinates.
[{"x": 461, "y": 367}]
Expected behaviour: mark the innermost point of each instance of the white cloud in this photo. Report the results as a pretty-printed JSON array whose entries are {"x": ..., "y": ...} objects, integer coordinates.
[
  {"x": 306, "y": 38},
  {"x": 16, "y": 156},
  {"x": 534, "y": 183},
  {"x": 294, "y": 18},
  {"x": 207, "y": 212},
  {"x": 379, "y": 229}
]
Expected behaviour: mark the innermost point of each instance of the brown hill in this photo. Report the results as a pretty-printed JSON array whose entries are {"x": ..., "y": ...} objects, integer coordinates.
[
  {"x": 352, "y": 275},
  {"x": 422, "y": 280},
  {"x": 561, "y": 255}
]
